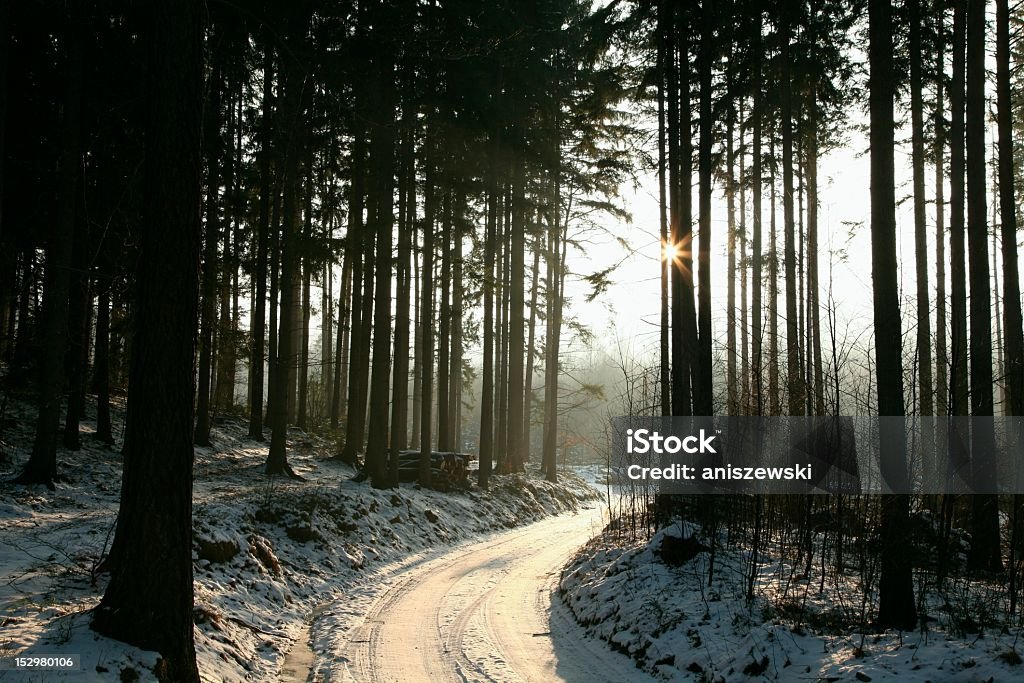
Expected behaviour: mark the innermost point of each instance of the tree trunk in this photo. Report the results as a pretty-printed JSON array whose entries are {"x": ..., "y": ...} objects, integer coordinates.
[
  {"x": 444, "y": 326},
  {"x": 732, "y": 390},
  {"x": 486, "y": 449},
  {"x": 381, "y": 200},
  {"x": 356, "y": 249},
  {"x": 774, "y": 399},
  {"x": 41, "y": 467},
  {"x": 941, "y": 355},
  {"x": 813, "y": 302},
  {"x": 406, "y": 227},
  {"x": 455, "y": 349},
  {"x": 517, "y": 273},
  {"x": 148, "y": 602},
  {"x": 794, "y": 376},
  {"x": 427, "y": 322},
  {"x": 101, "y": 363},
  {"x": 342, "y": 337},
  {"x": 79, "y": 328},
  {"x": 531, "y": 340},
  {"x": 259, "y": 332},
  {"x": 924, "y": 341},
  {"x": 756, "y": 247},
  {"x": 212, "y": 152},
  {"x": 702, "y": 389},
  {"x": 896, "y": 588},
  {"x": 958, "y": 263},
  {"x": 1014, "y": 348},
  {"x": 291, "y": 114},
  {"x": 985, "y": 545},
  {"x": 666, "y": 249}
]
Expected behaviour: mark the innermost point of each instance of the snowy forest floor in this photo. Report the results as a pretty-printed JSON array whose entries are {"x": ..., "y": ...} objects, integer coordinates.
[
  {"x": 267, "y": 552},
  {"x": 677, "y": 626}
]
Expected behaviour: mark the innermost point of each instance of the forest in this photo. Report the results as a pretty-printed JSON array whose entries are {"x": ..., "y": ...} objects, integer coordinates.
[{"x": 388, "y": 238}]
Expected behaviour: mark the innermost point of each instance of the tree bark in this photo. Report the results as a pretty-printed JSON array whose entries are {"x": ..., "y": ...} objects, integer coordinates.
[
  {"x": 41, "y": 467},
  {"x": 985, "y": 540},
  {"x": 149, "y": 600},
  {"x": 259, "y": 331},
  {"x": 896, "y": 588}
]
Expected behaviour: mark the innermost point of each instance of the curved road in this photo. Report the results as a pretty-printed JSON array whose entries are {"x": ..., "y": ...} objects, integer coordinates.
[{"x": 483, "y": 612}]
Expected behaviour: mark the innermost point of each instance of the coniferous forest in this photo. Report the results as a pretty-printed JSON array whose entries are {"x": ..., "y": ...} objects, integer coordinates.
[{"x": 314, "y": 317}]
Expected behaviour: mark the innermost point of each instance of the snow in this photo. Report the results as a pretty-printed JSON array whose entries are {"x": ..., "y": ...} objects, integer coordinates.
[
  {"x": 267, "y": 553},
  {"x": 676, "y": 627}
]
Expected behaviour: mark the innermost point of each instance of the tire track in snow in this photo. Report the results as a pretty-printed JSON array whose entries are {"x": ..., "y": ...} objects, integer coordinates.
[{"x": 482, "y": 613}]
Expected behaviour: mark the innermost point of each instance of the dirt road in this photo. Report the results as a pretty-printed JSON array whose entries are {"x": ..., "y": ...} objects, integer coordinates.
[{"x": 482, "y": 612}]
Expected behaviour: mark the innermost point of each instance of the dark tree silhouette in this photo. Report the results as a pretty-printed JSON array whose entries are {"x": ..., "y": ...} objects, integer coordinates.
[
  {"x": 149, "y": 599},
  {"x": 896, "y": 606}
]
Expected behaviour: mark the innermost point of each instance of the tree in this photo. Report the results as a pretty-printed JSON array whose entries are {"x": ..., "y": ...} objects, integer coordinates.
[
  {"x": 259, "y": 330},
  {"x": 41, "y": 467},
  {"x": 984, "y": 554},
  {"x": 291, "y": 115},
  {"x": 896, "y": 589},
  {"x": 149, "y": 599}
]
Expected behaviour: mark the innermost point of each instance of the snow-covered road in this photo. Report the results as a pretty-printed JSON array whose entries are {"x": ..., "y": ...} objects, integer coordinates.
[{"x": 482, "y": 612}]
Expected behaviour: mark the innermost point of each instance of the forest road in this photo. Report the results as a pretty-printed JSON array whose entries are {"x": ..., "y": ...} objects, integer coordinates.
[{"x": 485, "y": 612}]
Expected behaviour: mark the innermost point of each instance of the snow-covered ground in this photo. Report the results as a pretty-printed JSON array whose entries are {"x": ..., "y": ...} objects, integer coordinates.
[
  {"x": 484, "y": 612},
  {"x": 269, "y": 553},
  {"x": 677, "y": 627}
]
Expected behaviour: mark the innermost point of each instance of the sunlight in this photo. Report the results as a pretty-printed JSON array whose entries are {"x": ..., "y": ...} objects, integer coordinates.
[{"x": 678, "y": 252}]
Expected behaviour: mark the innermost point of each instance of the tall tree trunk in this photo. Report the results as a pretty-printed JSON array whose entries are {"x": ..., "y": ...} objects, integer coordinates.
[
  {"x": 259, "y": 331},
  {"x": 274, "y": 247},
  {"x": 666, "y": 249},
  {"x": 77, "y": 356},
  {"x": 149, "y": 600},
  {"x": 732, "y": 379},
  {"x": 1014, "y": 348},
  {"x": 756, "y": 247},
  {"x": 794, "y": 376},
  {"x": 1014, "y": 336},
  {"x": 531, "y": 340},
  {"x": 212, "y": 150},
  {"x": 455, "y": 350},
  {"x": 327, "y": 332},
  {"x": 985, "y": 541},
  {"x": 486, "y": 451},
  {"x": 702, "y": 389},
  {"x": 382, "y": 152},
  {"x": 444, "y": 323},
  {"x": 744, "y": 265},
  {"x": 553, "y": 334},
  {"x": 302, "y": 418},
  {"x": 501, "y": 429},
  {"x": 427, "y": 320},
  {"x": 417, "y": 341},
  {"x": 896, "y": 588},
  {"x": 924, "y": 333},
  {"x": 679, "y": 183},
  {"x": 343, "y": 335},
  {"x": 407, "y": 214},
  {"x": 958, "y": 260},
  {"x": 101, "y": 362},
  {"x": 356, "y": 250},
  {"x": 941, "y": 355},
  {"x": 41, "y": 467},
  {"x": 517, "y": 274},
  {"x": 813, "y": 302},
  {"x": 292, "y": 116},
  {"x": 774, "y": 399}
]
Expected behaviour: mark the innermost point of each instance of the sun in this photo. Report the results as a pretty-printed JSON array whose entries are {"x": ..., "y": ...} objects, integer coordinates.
[{"x": 675, "y": 252}]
